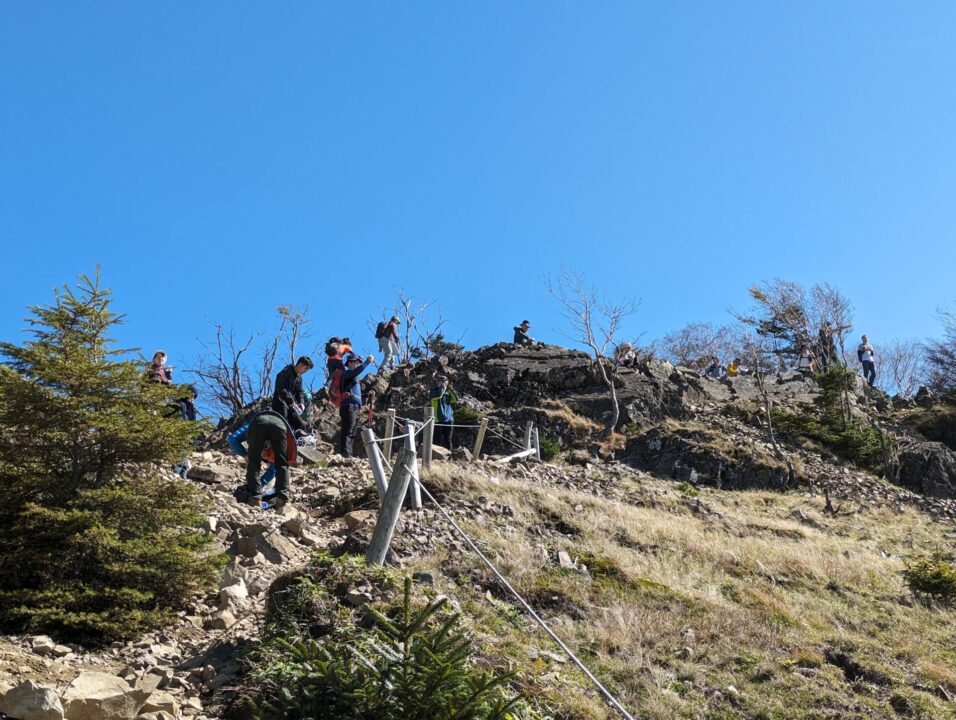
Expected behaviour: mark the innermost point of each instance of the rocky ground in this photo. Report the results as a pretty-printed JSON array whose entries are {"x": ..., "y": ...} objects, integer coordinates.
[{"x": 680, "y": 433}]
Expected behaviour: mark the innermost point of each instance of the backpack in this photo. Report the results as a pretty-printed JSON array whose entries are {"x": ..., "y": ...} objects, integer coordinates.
[
  {"x": 338, "y": 395},
  {"x": 380, "y": 330}
]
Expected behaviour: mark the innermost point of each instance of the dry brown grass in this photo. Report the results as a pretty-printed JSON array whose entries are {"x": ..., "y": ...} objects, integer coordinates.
[{"x": 762, "y": 595}]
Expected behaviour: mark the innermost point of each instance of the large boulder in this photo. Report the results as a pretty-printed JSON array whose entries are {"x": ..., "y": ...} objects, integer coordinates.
[
  {"x": 928, "y": 468},
  {"x": 29, "y": 701},
  {"x": 99, "y": 696}
]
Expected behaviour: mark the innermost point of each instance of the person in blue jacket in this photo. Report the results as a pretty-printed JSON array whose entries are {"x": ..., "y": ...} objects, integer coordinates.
[
  {"x": 352, "y": 404},
  {"x": 236, "y": 440},
  {"x": 443, "y": 400}
]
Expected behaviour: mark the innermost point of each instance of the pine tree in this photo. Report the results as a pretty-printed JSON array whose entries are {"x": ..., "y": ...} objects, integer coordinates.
[{"x": 98, "y": 544}]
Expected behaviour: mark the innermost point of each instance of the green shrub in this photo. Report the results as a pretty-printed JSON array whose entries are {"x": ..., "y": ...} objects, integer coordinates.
[
  {"x": 550, "y": 448},
  {"x": 932, "y": 575},
  {"x": 102, "y": 547},
  {"x": 466, "y": 415},
  {"x": 412, "y": 663},
  {"x": 827, "y": 423}
]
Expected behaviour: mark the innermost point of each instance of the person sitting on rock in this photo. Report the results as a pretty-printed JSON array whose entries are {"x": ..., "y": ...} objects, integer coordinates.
[
  {"x": 713, "y": 369},
  {"x": 236, "y": 440},
  {"x": 349, "y": 410},
  {"x": 866, "y": 354},
  {"x": 269, "y": 427},
  {"x": 157, "y": 371},
  {"x": 443, "y": 400},
  {"x": 521, "y": 334},
  {"x": 733, "y": 368},
  {"x": 288, "y": 399}
]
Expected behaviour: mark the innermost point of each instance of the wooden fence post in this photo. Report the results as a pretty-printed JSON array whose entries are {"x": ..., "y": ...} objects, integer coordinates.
[
  {"x": 375, "y": 460},
  {"x": 391, "y": 506},
  {"x": 479, "y": 441},
  {"x": 414, "y": 489},
  {"x": 389, "y": 432},
  {"x": 429, "y": 436}
]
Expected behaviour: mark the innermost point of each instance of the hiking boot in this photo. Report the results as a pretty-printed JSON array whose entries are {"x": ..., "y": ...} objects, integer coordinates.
[
  {"x": 254, "y": 501},
  {"x": 278, "y": 503}
]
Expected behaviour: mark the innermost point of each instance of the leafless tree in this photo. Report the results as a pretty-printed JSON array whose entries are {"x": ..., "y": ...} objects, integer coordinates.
[
  {"x": 759, "y": 351},
  {"x": 699, "y": 340},
  {"x": 941, "y": 355},
  {"x": 226, "y": 371},
  {"x": 594, "y": 322},
  {"x": 792, "y": 318},
  {"x": 901, "y": 366},
  {"x": 221, "y": 370}
]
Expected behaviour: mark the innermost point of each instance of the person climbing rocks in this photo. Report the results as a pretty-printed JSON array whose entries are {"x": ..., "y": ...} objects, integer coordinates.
[
  {"x": 349, "y": 410},
  {"x": 288, "y": 399},
  {"x": 521, "y": 334},
  {"x": 269, "y": 431},
  {"x": 443, "y": 400},
  {"x": 866, "y": 356},
  {"x": 236, "y": 440},
  {"x": 713, "y": 369},
  {"x": 387, "y": 334},
  {"x": 157, "y": 371},
  {"x": 185, "y": 409}
]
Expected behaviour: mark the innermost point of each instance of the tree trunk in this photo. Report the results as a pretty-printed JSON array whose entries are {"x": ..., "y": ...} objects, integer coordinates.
[{"x": 616, "y": 410}]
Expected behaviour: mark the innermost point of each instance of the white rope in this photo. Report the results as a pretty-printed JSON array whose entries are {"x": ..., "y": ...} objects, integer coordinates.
[
  {"x": 499, "y": 435},
  {"x": 454, "y": 425},
  {"x": 501, "y": 578}
]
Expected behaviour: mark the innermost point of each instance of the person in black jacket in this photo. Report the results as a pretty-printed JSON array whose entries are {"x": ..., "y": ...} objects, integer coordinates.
[{"x": 288, "y": 399}]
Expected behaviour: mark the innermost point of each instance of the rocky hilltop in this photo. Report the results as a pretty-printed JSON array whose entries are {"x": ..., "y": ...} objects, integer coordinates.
[{"x": 679, "y": 556}]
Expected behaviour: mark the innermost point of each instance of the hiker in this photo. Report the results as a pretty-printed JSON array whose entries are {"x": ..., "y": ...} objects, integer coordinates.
[
  {"x": 157, "y": 371},
  {"x": 626, "y": 355},
  {"x": 805, "y": 361},
  {"x": 387, "y": 335},
  {"x": 351, "y": 403},
  {"x": 865, "y": 354},
  {"x": 288, "y": 399},
  {"x": 185, "y": 409},
  {"x": 521, "y": 334},
  {"x": 269, "y": 427},
  {"x": 827, "y": 346},
  {"x": 236, "y": 440},
  {"x": 733, "y": 368},
  {"x": 712, "y": 368},
  {"x": 443, "y": 400}
]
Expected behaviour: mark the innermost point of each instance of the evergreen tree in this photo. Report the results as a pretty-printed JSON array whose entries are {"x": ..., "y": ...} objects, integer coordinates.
[{"x": 98, "y": 544}]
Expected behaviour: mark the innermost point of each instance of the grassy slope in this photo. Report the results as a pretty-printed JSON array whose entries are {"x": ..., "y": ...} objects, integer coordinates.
[{"x": 689, "y": 595}]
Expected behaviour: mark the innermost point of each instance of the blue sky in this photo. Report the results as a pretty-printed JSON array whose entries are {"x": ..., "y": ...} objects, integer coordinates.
[{"x": 221, "y": 158}]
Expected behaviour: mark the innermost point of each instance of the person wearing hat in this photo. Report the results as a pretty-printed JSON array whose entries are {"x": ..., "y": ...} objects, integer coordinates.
[
  {"x": 443, "y": 400},
  {"x": 272, "y": 428},
  {"x": 352, "y": 404},
  {"x": 388, "y": 343},
  {"x": 521, "y": 334}
]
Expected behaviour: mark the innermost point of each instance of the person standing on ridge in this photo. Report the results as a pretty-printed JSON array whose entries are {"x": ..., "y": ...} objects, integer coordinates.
[
  {"x": 443, "y": 400},
  {"x": 288, "y": 399},
  {"x": 387, "y": 335},
  {"x": 866, "y": 356},
  {"x": 349, "y": 410},
  {"x": 521, "y": 334}
]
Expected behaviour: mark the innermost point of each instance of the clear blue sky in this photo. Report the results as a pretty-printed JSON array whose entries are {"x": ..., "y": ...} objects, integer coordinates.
[{"x": 220, "y": 158}]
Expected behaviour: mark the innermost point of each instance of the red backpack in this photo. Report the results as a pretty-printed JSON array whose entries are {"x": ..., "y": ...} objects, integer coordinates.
[{"x": 336, "y": 370}]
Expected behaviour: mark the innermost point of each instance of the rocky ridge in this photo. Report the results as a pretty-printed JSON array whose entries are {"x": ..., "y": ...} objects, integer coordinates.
[{"x": 192, "y": 669}]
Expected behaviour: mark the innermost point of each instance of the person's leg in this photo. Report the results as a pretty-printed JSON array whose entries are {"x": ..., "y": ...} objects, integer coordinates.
[
  {"x": 344, "y": 419},
  {"x": 392, "y": 352},
  {"x": 384, "y": 347},
  {"x": 349, "y": 425},
  {"x": 280, "y": 446},
  {"x": 450, "y": 436},
  {"x": 256, "y": 440}
]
